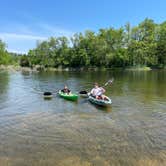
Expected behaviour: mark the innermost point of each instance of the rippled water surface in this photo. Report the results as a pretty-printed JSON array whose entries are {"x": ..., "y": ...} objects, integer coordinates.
[{"x": 56, "y": 132}]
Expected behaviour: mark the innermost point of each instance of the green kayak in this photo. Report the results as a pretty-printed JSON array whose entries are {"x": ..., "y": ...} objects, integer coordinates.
[{"x": 70, "y": 96}]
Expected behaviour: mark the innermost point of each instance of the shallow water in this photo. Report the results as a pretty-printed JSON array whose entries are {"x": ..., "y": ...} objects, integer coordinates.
[{"x": 34, "y": 131}]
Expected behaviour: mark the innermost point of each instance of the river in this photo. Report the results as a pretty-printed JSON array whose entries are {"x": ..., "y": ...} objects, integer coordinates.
[{"x": 57, "y": 132}]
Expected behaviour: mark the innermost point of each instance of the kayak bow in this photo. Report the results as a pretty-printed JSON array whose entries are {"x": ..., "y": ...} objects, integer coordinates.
[
  {"x": 106, "y": 102},
  {"x": 70, "y": 96}
]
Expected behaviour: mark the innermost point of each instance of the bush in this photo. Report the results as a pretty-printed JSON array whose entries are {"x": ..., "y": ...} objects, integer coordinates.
[{"x": 24, "y": 61}]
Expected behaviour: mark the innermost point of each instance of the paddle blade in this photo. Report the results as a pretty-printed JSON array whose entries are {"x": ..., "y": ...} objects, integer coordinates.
[
  {"x": 109, "y": 82},
  {"x": 83, "y": 92},
  {"x": 47, "y": 93}
]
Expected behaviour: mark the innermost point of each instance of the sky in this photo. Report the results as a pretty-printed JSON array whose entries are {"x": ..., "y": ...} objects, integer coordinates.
[{"x": 24, "y": 22}]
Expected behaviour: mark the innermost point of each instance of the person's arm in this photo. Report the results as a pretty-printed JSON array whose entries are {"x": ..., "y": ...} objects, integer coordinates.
[
  {"x": 102, "y": 89},
  {"x": 91, "y": 92}
]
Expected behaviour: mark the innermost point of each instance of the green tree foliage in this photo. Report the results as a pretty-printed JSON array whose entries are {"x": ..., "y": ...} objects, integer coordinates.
[
  {"x": 24, "y": 61},
  {"x": 161, "y": 44},
  {"x": 5, "y": 57},
  {"x": 142, "y": 45}
]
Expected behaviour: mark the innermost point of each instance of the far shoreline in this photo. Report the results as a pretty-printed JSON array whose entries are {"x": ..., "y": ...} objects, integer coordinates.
[{"x": 38, "y": 68}]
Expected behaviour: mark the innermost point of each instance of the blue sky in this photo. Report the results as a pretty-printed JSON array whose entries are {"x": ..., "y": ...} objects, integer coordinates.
[{"x": 23, "y": 22}]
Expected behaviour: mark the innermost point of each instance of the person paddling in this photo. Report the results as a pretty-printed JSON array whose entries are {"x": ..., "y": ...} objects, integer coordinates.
[
  {"x": 97, "y": 92},
  {"x": 66, "y": 90}
]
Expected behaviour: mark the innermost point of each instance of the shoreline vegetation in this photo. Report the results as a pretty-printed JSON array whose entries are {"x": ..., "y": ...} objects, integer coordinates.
[
  {"x": 142, "y": 47},
  {"x": 38, "y": 68}
]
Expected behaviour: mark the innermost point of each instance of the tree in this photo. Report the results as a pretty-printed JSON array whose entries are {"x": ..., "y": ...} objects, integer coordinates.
[
  {"x": 161, "y": 44},
  {"x": 142, "y": 48},
  {"x": 24, "y": 61},
  {"x": 5, "y": 58},
  {"x": 144, "y": 44}
]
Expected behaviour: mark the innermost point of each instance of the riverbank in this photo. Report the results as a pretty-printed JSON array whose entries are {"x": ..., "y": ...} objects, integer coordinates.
[
  {"x": 38, "y": 68},
  {"x": 13, "y": 68},
  {"x": 144, "y": 68}
]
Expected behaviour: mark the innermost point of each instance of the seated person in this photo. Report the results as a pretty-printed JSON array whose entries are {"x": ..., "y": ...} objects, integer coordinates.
[
  {"x": 66, "y": 90},
  {"x": 97, "y": 92}
]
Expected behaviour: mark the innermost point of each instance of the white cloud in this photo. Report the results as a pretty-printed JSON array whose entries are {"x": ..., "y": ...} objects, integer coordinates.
[
  {"x": 55, "y": 31},
  {"x": 20, "y": 38},
  {"x": 20, "y": 43},
  {"x": 17, "y": 51},
  {"x": 15, "y": 36}
]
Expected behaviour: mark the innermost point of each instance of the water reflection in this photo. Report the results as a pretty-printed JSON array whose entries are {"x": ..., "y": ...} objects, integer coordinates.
[
  {"x": 4, "y": 82},
  {"x": 34, "y": 131},
  {"x": 102, "y": 108},
  {"x": 4, "y": 86}
]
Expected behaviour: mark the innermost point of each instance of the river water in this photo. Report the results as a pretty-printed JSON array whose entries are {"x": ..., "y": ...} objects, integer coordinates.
[{"x": 56, "y": 132}]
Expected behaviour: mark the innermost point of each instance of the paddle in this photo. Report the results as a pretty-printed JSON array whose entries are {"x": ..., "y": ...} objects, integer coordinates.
[
  {"x": 109, "y": 82},
  {"x": 83, "y": 92},
  {"x": 48, "y": 93}
]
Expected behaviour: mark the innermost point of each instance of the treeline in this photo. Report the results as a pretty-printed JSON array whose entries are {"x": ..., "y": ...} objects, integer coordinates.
[
  {"x": 4, "y": 56},
  {"x": 142, "y": 45},
  {"x": 7, "y": 58}
]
